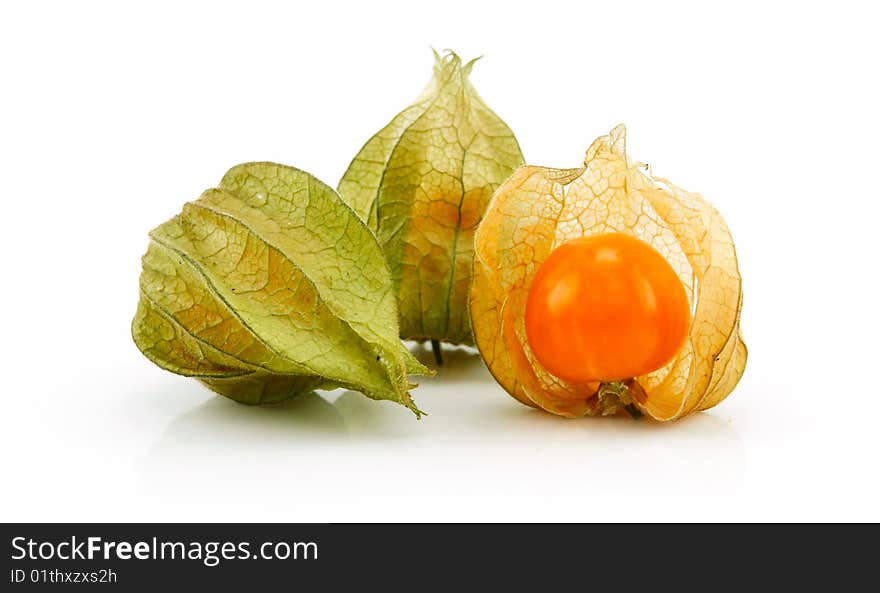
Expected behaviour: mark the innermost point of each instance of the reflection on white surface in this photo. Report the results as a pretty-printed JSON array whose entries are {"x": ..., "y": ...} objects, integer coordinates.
[
  {"x": 332, "y": 456},
  {"x": 139, "y": 444}
]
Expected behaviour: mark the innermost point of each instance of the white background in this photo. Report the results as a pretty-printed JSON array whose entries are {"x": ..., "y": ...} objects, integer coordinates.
[{"x": 114, "y": 115}]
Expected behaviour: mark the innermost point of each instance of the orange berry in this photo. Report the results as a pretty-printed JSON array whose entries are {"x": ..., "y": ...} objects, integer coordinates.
[{"x": 606, "y": 308}]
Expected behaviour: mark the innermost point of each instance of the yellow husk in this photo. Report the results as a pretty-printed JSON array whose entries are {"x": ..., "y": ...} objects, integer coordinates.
[{"x": 538, "y": 208}]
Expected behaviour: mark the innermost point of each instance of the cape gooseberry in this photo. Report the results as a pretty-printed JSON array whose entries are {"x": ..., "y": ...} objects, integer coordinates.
[
  {"x": 604, "y": 308},
  {"x": 603, "y": 289}
]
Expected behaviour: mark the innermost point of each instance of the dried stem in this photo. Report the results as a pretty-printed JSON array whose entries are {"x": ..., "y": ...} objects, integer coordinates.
[{"x": 438, "y": 355}]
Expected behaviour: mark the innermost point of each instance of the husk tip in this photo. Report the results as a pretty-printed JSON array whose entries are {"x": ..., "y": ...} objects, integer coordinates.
[
  {"x": 614, "y": 142},
  {"x": 448, "y": 58}
]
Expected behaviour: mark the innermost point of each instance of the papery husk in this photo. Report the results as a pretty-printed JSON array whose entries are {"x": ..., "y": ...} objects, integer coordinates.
[
  {"x": 422, "y": 184},
  {"x": 269, "y": 287},
  {"x": 539, "y": 208}
]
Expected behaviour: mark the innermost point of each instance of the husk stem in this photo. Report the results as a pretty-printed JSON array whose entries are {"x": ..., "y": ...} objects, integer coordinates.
[
  {"x": 615, "y": 396},
  {"x": 438, "y": 354}
]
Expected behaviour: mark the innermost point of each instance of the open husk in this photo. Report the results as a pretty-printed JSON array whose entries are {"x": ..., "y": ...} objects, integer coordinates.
[{"x": 538, "y": 208}]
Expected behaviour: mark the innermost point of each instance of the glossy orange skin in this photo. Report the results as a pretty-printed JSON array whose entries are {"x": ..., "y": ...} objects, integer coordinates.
[{"x": 606, "y": 308}]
